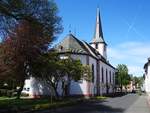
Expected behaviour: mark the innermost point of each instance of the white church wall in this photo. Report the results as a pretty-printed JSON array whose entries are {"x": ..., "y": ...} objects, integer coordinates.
[
  {"x": 101, "y": 49},
  {"x": 93, "y": 61},
  {"x": 147, "y": 80},
  {"x": 84, "y": 84},
  {"x": 80, "y": 88},
  {"x": 35, "y": 87},
  {"x": 83, "y": 87},
  {"x": 110, "y": 72}
]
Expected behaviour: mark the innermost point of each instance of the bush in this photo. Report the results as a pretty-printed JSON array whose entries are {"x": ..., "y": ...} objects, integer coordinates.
[{"x": 6, "y": 92}]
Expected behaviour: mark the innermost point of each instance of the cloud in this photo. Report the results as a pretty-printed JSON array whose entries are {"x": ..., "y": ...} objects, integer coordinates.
[
  {"x": 116, "y": 54},
  {"x": 133, "y": 54},
  {"x": 135, "y": 70}
]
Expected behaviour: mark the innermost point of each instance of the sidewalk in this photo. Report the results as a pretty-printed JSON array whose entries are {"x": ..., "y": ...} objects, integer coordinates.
[
  {"x": 148, "y": 99},
  {"x": 140, "y": 106}
]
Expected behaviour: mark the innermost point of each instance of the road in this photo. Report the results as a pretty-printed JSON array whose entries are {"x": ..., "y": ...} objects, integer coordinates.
[{"x": 130, "y": 103}]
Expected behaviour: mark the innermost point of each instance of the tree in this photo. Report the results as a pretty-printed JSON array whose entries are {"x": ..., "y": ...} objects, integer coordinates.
[
  {"x": 87, "y": 73},
  {"x": 73, "y": 71},
  {"x": 30, "y": 27},
  {"x": 137, "y": 81},
  {"x": 55, "y": 70},
  {"x": 51, "y": 71},
  {"x": 43, "y": 12},
  {"x": 122, "y": 77}
]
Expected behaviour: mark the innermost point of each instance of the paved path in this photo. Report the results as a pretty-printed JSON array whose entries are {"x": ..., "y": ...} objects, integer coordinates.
[
  {"x": 130, "y": 103},
  {"x": 140, "y": 106}
]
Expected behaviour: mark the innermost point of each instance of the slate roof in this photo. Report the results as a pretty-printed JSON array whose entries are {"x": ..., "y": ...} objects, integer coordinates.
[{"x": 71, "y": 44}]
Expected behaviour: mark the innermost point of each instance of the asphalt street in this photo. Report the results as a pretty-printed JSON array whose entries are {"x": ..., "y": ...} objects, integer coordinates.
[{"x": 130, "y": 103}]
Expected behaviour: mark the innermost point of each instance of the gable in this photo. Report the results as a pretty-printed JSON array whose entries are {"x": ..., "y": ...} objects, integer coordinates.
[{"x": 71, "y": 44}]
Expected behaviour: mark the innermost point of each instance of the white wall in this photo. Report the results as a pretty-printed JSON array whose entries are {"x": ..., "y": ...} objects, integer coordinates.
[
  {"x": 112, "y": 82},
  {"x": 77, "y": 88},
  {"x": 102, "y": 49},
  {"x": 147, "y": 79},
  {"x": 36, "y": 87},
  {"x": 83, "y": 87}
]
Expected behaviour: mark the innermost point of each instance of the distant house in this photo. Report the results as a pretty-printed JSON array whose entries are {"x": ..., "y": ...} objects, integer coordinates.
[
  {"x": 147, "y": 76},
  {"x": 93, "y": 54},
  {"x": 130, "y": 87}
]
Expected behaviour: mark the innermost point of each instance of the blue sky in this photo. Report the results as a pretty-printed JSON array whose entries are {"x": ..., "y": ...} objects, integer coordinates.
[{"x": 126, "y": 28}]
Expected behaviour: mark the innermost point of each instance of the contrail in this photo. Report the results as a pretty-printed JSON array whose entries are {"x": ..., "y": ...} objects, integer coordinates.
[{"x": 131, "y": 26}]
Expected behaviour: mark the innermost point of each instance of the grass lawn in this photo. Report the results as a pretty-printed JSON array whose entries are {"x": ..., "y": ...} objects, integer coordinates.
[
  {"x": 13, "y": 104},
  {"x": 33, "y": 104},
  {"x": 100, "y": 97}
]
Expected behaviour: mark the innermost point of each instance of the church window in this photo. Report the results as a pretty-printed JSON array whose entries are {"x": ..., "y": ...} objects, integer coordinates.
[
  {"x": 87, "y": 60},
  {"x": 96, "y": 46},
  {"x": 106, "y": 77},
  {"x": 102, "y": 75},
  {"x": 113, "y": 78},
  {"x": 110, "y": 76},
  {"x": 92, "y": 73}
]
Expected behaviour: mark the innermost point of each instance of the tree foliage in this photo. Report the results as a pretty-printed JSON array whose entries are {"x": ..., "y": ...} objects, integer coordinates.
[
  {"x": 87, "y": 73},
  {"x": 43, "y": 12},
  {"x": 122, "y": 77},
  {"x": 54, "y": 71},
  {"x": 29, "y": 26},
  {"x": 137, "y": 81}
]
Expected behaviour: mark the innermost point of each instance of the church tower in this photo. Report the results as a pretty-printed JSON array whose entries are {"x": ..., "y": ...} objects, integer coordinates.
[{"x": 98, "y": 41}]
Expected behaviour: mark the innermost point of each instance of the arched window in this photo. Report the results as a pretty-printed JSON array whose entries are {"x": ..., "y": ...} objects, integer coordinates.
[
  {"x": 92, "y": 73},
  {"x": 102, "y": 75},
  {"x": 113, "y": 78},
  {"x": 106, "y": 76},
  {"x": 110, "y": 76}
]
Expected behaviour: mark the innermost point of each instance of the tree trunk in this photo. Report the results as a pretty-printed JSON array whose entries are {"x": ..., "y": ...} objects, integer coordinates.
[
  {"x": 68, "y": 88},
  {"x": 55, "y": 91},
  {"x": 19, "y": 91},
  {"x": 63, "y": 89},
  {"x": 56, "y": 94}
]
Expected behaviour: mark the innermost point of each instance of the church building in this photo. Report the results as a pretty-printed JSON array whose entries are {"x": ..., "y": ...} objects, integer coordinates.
[{"x": 93, "y": 54}]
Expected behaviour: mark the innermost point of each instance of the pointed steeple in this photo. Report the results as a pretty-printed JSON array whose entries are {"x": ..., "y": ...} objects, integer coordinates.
[
  {"x": 98, "y": 41},
  {"x": 98, "y": 35}
]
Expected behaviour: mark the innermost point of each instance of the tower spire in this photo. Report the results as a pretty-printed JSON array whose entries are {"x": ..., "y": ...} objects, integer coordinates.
[
  {"x": 98, "y": 41},
  {"x": 98, "y": 35}
]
